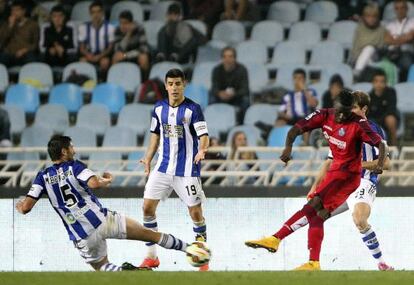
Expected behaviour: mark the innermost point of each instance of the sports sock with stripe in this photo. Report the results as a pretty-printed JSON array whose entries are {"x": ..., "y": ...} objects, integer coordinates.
[
  {"x": 370, "y": 240},
  {"x": 169, "y": 241},
  {"x": 151, "y": 223},
  {"x": 110, "y": 267}
]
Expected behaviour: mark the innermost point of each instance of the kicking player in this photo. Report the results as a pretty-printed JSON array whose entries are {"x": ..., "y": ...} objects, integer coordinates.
[
  {"x": 345, "y": 132},
  {"x": 67, "y": 184},
  {"x": 180, "y": 131}
]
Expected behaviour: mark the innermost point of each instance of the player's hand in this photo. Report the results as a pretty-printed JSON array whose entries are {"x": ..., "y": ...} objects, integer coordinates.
[
  {"x": 286, "y": 155},
  {"x": 313, "y": 188},
  {"x": 147, "y": 165},
  {"x": 199, "y": 156},
  {"x": 19, "y": 206},
  {"x": 378, "y": 169},
  {"x": 108, "y": 176}
]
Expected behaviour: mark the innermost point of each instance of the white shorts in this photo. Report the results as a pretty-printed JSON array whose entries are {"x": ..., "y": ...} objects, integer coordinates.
[
  {"x": 93, "y": 249},
  {"x": 160, "y": 185}
]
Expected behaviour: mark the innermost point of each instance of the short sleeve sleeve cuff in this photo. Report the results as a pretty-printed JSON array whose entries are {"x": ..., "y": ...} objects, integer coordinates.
[
  {"x": 35, "y": 191},
  {"x": 201, "y": 128},
  {"x": 85, "y": 175}
]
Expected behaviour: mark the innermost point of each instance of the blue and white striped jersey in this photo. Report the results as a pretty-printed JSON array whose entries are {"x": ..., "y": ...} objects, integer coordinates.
[
  {"x": 295, "y": 104},
  {"x": 369, "y": 153},
  {"x": 65, "y": 184},
  {"x": 179, "y": 129},
  {"x": 96, "y": 40}
]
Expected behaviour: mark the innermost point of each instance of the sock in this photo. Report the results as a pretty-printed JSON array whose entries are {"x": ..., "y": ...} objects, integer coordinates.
[
  {"x": 151, "y": 223},
  {"x": 171, "y": 242},
  {"x": 315, "y": 237},
  {"x": 297, "y": 221},
  {"x": 200, "y": 230},
  {"x": 110, "y": 267},
  {"x": 370, "y": 239}
]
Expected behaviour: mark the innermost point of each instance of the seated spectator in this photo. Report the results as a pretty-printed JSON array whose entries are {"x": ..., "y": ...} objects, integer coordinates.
[
  {"x": 240, "y": 10},
  {"x": 4, "y": 129},
  {"x": 401, "y": 28},
  {"x": 177, "y": 40},
  {"x": 336, "y": 84},
  {"x": 230, "y": 83},
  {"x": 239, "y": 140},
  {"x": 96, "y": 39},
  {"x": 58, "y": 39},
  {"x": 131, "y": 43},
  {"x": 207, "y": 11},
  {"x": 19, "y": 37},
  {"x": 383, "y": 107}
]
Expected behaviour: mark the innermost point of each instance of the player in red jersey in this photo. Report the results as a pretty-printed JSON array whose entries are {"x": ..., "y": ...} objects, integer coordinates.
[{"x": 345, "y": 133}]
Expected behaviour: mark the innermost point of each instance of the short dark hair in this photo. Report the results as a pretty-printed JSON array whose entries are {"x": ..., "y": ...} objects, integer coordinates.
[
  {"x": 336, "y": 79},
  {"x": 126, "y": 15},
  {"x": 362, "y": 99},
  {"x": 300, "y": 71},
  {"x": 346, "y": 98},
  {"x": 175, "y": 73},
  {"x": 174, "y": 8},
  {"x": 58, "y": 9},
  {"x": 379, "y": 72},
  {"x": 55, "y": 146},
  {"x": 96, "y": 3},
  {"x": 232, "y": 49}
]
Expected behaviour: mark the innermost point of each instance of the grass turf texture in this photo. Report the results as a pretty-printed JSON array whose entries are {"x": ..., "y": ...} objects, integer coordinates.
[{"x": 211, "y": 278}]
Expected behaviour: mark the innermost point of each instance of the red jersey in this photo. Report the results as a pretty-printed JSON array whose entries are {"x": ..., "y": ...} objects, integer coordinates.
[{"x": 345, "y": 139}]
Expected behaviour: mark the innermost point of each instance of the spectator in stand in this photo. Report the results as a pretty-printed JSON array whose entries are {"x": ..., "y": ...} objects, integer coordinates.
[
  {"x": 96, "y": 39},
  {"x": 207, "y": 11},
  {"x": 240, "y": 10},
  {"x": 369, "y": 38},
  {"x": 336, "y": 84},
  {"x": 177, "y": 40},
  {"x": 131, "y": 43},
  {"x": 58, "y": 39},
  {"x": 383, "y": 107},
  {"x": 230, "y": 83},
  {"x": 4, "y": 129},
  {"x": 239, "y": 140},
  {"x": 19, "y": 37},
  {"x": 401, "y": 28}
]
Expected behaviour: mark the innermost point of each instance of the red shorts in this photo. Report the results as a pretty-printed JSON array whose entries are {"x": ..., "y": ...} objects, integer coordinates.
[{"x": 336, "y": 187}]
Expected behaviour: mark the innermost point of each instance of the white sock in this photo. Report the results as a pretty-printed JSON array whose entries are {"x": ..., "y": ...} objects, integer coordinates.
[
  {"x": 171, "y": 242},
  {"x": 110, "y": 267},
  {"x": 151, "y": 223},
  {"x": 200, "y": 229},
  {"x": 370, "y": 240}
]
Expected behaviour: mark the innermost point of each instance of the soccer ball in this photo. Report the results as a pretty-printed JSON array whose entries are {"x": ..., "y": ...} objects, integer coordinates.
[{"x": 198, "y": 253}]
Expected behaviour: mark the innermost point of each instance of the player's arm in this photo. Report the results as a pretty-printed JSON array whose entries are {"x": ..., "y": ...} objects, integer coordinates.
[
  {"x": 151, "y": 150},
  {"x": 321, "y": 175},
  {"x": 204, "y": 143},
  {"x": 26, "y": 205},
  {"x": 370, "y": 165},
  {"x": 97, "y": 181}
]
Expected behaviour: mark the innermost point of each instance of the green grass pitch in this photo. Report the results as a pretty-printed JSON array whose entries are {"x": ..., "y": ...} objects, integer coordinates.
[{"x": 210, "y": 278}]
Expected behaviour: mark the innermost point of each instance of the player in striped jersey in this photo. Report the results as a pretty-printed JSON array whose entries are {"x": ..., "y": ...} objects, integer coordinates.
[
  {"x": 180, "y": 134},
  {"x": 67, "y": 184}
]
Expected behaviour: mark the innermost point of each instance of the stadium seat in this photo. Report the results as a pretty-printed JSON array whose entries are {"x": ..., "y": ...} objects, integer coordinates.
[
  {"x": 53, "y": 116},
  {"x": 84, "y": 68},
  {"x": 94, "y": 117},
  {"x": 197, "y": 93},
  {"x": 342, "y": 32},
  {"x": 285, "y": 12},
  {"x": 125, "y": 74},
  {"x": 268, "y": 32},
  {"x": 39, "y": 73},
  {"x": 159, "y": 70},
  {"x": 258, "y": 76},
  {"x": 308, "y": 33},
  {"x": 24, "y": 96},
  {"x": 67, "y": 94},
  {"x": 229, "y": 31},
  {"x": 119, "y": 136},
  {"x": 81, "y": 137},
  {"x": 363, "y": 86},
  {"x": 105, "y": 161},
  {"x": 284, "y": 77},
  {"x": 208, "y": 53},
  {"x": 322, "y": 12},
  {"x": 389, "y": 12},
  {"x": 132, "y": 6},
  {"x": 410, "y": 77},
  {"x": 4, "y": 78},
  {"x": 251, "y": 51},
  {"x": 199, "y": 26},
  {"x": 110, "y": 95},
  {"x": 136, "y": 117},
  {"x": 277, "y": 137},
  {"x": 265, "y": 113},
  {"x": 252, "y": 133},
  {"x": 327, "y": 53},
  {"x": 342, "y": 69},
  {"x": 133, "y": 161},
  {"x": 159, "y": 10},
  {"x": 220, "y": 117},
  {"x": 405, "y": 102},
  {"x": 203, "y": 73},
  {"x": 288, "y": 53},
  {"x": 320, "y": 88},
  {"x": 80, "y": 11},
  {"x": 17, "y": 118},
  {"x": 151, "y": 31}
]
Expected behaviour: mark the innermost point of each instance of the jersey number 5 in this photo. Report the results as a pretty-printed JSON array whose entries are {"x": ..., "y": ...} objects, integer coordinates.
[{"x": 68, "y": 196}]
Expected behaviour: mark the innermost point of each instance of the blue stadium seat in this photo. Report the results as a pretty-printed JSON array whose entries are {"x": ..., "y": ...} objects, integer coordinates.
[
  {"x": 203, "y": 73},
  {"x": 110, "y": 95},
  {"x": 363, "y": 86},
  {"x": 229, "y": 31},
  {"x": 159, "y": 10},
  {"x": 277, "y": 137},
  {"x": 81, "y": 137},
  {"x": 83, "y": 68},
  {"x": 119, "y": 136},
  {"x": 308, "y": 33},
  {"x": 405, "y": 102},
  {"x": 136, "y": 117},
  {"x": 17, "y": 118},
  {"x": 133, "y": 161},
  {"x": 105, "y": 161},
  {"x": 38, "y": 71},
  {"x": 4, "y": 78},
  {"x": 288, "y": 53},
  {"x": 160, "y": 69},
  {"x": 220, "y": 117},
  {"x": 80, "y": 11},
  {"x": 151, "y": 31},
  {"x": 132, "y": 6},
  {"x": 320, "y": 88},
  {"x": 327, "y": 53},
  {"x": 284, "y": 12},
  {"x": 125, "y": 74},
  {"x": 258, "y": 76},
  {"x": 342, "y": 32},
  {"x": 53, "y": 116},
  {"x": 410, "y": 77},
  {"x": 24, "y": 96},
  {"x": 197, "y": 93},
  {"x": 251, "y": 51},
  {"x": 94, "y": 117},
  {"x": 342, "y": 69},
  {"x": 253, "y": 135},
  {"x": 198, "y": 25},
  {"x": 67, "y": 94},
  {"x": 208, "y": 53},
  {"x": 284, "y": 76},
  {"x": 322, "y": 12},
  {"x": 265, "y": 113},
  {"x": 268, "y": 32}
]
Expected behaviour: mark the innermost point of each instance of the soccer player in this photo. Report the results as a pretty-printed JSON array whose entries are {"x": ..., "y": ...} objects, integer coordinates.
[
  {"x": 67, "y": 184},
  {"x": 179, "y": 129},
  {"x": 345, "y": 132},
  {"x": 363, "y": 197}
]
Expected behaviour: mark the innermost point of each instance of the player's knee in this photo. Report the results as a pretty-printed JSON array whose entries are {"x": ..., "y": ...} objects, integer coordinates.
[{"x": 316, "y": 203}]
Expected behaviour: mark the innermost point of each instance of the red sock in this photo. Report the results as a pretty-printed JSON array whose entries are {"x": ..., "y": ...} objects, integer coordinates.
[
  {"x": 295, "y": 222},
  {"x": 315, "y": 237}
]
